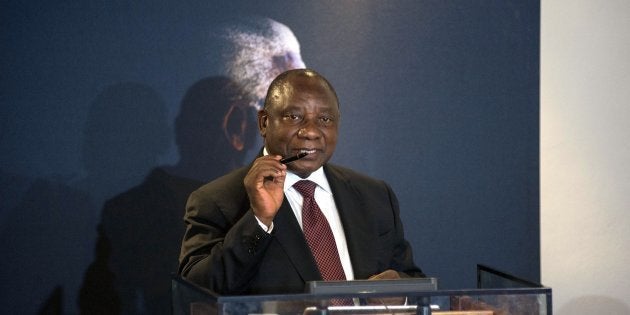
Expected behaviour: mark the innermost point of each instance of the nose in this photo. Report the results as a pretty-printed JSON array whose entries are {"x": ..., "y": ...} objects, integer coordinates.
[{"x": 309, "y": 130}]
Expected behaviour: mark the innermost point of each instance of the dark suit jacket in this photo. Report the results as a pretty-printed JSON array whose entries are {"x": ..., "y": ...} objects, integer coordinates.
[{"x": 225, "y": 250}]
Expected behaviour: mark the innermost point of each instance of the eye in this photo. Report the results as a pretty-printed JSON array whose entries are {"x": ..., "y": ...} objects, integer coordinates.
[
  {"x": 292, "y": 117},
  {"x": 327, "y": 120}
]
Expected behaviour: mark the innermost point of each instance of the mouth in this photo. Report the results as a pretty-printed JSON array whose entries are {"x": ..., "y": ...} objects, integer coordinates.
[{"x": 307, "y": 151}]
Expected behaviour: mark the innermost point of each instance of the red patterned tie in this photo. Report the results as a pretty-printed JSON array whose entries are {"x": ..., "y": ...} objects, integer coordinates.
[{"x": 318, "y": 234}]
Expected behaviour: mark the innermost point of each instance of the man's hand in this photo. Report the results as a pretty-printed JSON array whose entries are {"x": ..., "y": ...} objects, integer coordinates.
[
  {"x": 264, "y": 184},
  {"x": 388, "y": 274}
]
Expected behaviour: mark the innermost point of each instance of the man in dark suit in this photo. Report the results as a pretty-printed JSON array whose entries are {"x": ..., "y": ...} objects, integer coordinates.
[{"x": 245, "y": 230}]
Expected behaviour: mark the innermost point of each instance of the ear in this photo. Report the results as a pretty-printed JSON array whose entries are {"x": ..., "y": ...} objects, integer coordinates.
[
  {"x": 237, "y": 143},
  {"x": 234, "y": 127},
  {"x": 263, "y": 121}
]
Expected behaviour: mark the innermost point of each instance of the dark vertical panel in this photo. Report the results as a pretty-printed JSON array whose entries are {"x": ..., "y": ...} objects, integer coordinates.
[{"x": 439, "y": 98}]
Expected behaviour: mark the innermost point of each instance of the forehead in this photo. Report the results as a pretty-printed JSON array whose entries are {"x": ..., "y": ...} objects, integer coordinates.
[{"x": 303, "y": 91}]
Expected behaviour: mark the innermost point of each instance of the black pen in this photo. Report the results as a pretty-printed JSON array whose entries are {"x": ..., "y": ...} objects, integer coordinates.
[{"x": 293, "y": 158}]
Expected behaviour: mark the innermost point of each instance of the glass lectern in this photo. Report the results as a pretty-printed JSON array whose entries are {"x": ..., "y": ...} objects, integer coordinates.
[{"x": 497, "y": 294}]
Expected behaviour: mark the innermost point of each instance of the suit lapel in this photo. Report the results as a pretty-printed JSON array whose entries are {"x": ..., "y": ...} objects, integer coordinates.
[
  {"x": 357, "y": 224},
  {"x": 288, "y": 233}
]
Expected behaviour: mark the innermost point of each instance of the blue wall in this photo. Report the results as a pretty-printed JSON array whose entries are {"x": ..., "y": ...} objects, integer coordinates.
[{"x": 439, "y": 98}]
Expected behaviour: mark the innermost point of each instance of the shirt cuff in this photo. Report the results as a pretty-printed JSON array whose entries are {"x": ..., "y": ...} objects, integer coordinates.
[{"x": 265, "y": 228}]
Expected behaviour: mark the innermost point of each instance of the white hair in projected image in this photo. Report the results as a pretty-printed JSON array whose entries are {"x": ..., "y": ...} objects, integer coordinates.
[{"x": 259, "y": 49}]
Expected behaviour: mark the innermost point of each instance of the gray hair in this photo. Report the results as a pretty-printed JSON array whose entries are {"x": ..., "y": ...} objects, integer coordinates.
[{"x": 249, "y": 60}]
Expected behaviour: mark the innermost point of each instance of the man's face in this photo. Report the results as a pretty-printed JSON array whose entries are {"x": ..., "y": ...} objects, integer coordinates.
[{"x": 303, "y": 117}]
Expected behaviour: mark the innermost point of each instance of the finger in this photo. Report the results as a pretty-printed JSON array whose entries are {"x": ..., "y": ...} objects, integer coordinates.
[
  {"x": 266, "y": 162},
  {"x": 279, "y": 180},
  {"x": 263, "y": 170},
  {"x": 387, "y": 274}
]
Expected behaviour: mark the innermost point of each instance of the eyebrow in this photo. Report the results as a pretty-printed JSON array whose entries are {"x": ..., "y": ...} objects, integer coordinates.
[{"x": 325, "y": 106}]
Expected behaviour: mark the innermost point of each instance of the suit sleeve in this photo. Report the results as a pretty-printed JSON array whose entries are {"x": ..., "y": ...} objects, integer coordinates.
[
  {"x": 221, "y": 247},
  {"x": 402, "y": 256}
]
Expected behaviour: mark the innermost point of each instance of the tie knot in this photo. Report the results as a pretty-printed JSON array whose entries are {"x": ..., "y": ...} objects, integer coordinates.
[{"x": 306, "y": 188}]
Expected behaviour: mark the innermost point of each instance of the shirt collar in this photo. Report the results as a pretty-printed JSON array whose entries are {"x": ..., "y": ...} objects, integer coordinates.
[{"x": 319, "y": 177}]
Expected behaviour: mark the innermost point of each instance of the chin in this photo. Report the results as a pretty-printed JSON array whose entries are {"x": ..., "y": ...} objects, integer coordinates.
[{"x": 304, "y": 170}]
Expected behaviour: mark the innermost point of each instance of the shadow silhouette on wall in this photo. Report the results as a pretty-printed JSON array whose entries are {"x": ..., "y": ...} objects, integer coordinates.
[
  {"x": 48, "y": 235},
  {"x": 216, "y": 131},
  {"x": 140, "y": 231},
  {"x": 126, "y": 133},
  {"x": 44, "y": 245}
]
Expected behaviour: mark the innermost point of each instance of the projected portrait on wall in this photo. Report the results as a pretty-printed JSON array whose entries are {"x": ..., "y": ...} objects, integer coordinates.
[
  {"x": 255, "y": 51},
  {"x": 215, "y": 131}
]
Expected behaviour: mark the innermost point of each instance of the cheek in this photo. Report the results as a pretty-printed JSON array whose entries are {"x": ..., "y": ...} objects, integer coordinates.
[
  {"x": 331, "y": 134},
  {"x": 280, "y": 138},
  {"x": 331, "y": 140}
]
